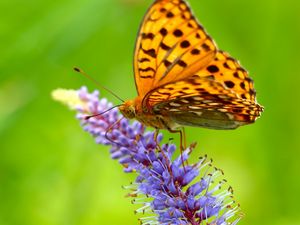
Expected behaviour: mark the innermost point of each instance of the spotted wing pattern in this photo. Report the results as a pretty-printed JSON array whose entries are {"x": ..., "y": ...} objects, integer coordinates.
[
  {"x": 171, "y": 46},
  {"x": 222, "y": 90}
]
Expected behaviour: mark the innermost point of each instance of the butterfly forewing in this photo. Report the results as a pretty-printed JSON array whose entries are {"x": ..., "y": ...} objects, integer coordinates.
[{"x": 171, "y": 46}]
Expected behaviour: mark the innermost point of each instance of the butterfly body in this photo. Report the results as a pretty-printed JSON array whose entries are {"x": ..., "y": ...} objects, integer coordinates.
[
  {"x": 183, "y": 79},
  {"x": 131, "y": 109},
  {"x": 170, "y": 121}
]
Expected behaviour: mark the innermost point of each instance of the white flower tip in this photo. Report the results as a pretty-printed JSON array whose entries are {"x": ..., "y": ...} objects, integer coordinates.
[{"x": 67, "y": 97}]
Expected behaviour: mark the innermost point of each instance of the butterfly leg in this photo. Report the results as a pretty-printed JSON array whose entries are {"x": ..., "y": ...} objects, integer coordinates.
[
  {"x": 182, "y": 143},
  {"x": 182, "y": 137},
  {"x": 161, "y": 151}
]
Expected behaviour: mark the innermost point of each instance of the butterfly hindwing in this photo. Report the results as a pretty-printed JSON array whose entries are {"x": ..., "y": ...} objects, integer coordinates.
[
  {"x": 217, "y": 108},
  {"x": 221, "y": 91}
]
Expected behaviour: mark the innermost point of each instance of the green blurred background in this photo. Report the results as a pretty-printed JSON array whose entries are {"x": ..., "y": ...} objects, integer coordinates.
[{"x": 52, "y": 173}]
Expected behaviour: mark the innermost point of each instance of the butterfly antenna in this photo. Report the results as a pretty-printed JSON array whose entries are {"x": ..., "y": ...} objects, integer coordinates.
[
  {"x": 99, "y": 114},
  {"x": 78, "y": 70}
]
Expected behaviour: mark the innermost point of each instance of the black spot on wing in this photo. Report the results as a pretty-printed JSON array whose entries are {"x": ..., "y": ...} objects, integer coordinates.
[
  {"x": 167, "y": 63},
  {"x": 147, "y": 69},
  {"x": 146, "y": 77},
  {"x": 226, "y": 65},
  {"x": 243, "y": 86},
  {"x": 164, "y": 46},
  {"x": 252, "y": 92},
  {"x": 151, "y": 52},
  {"x": 170, "y": 15},
  {"x": 243, "y": 96},
  {"x": 195, "y": 52},
  {"x": 185, "y": 44},
  {"x": 162, "y": 10},
  {"x": 148, "y": 36},
  {"x": 229, "y": 84},
  {"x": 163, "y": 31},
  {"x": 190, "y": 25},
  {"x": 205, "y": 47},
  {"x": 144, "y": 60},
  {"x": 181, "y": 63},
  {"x": 178, "y": 33},
  {"x": 213, "y": 69},
  {"x": 249, "y": 79},
  {"x": 236, "y": 75}
]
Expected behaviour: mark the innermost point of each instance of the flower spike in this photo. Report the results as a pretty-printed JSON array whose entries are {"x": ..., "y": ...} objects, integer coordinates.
[{"x": 168, "y": 192}]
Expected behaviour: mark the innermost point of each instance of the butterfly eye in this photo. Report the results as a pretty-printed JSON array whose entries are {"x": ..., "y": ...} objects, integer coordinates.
[
  {"x": 131, "y": 112},
  {"x": 127, "y": 110}
]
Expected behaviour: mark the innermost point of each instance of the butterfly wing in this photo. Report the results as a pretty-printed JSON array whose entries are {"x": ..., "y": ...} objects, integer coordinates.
[
  {"x": 171, "y": 46},
  {"x": 220, "y": 96}
]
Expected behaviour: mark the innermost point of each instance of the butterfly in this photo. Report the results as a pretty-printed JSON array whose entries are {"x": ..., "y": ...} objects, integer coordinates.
[{"x": 183, "y": 79}]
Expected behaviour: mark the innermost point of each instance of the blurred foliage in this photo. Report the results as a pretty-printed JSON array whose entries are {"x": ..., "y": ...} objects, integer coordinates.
[{"x": 52, "y": 173}]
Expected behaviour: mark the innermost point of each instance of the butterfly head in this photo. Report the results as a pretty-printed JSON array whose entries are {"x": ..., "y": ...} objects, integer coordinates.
[{"x": 128, "y": 109}]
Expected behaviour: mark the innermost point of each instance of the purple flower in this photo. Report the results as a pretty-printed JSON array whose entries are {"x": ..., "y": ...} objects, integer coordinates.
[{"x": 169, "y": 192}]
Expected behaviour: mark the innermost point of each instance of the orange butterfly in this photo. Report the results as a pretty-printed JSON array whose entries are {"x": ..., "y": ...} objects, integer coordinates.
[{"x": 182, "y": 78}]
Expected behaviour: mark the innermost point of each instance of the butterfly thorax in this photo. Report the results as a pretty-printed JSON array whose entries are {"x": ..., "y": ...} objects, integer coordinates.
[{"x": 133, "y": 109}]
